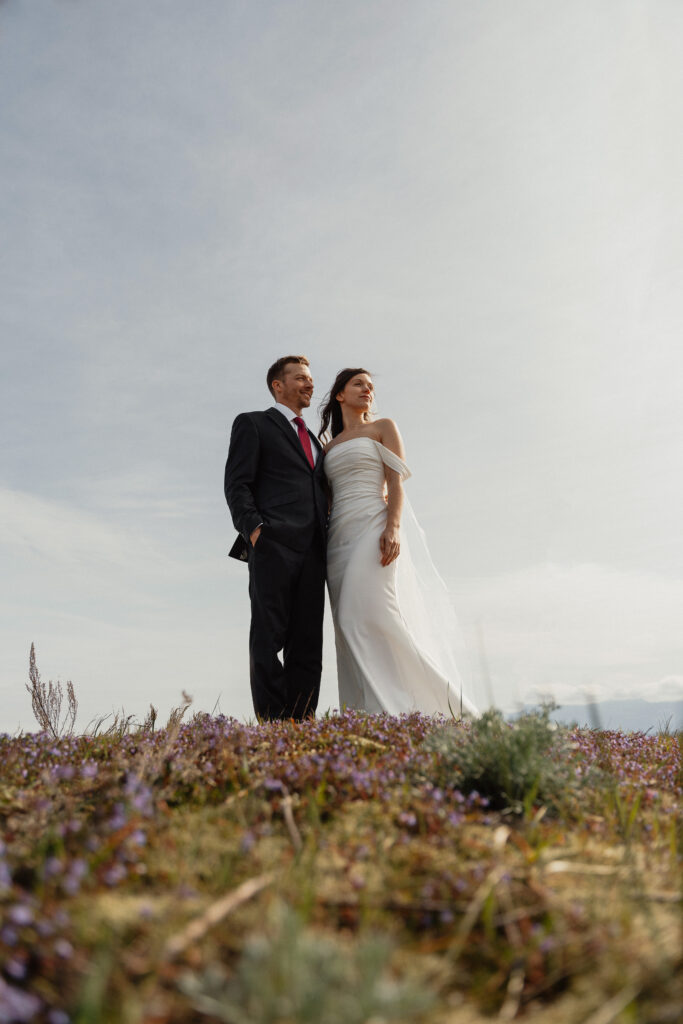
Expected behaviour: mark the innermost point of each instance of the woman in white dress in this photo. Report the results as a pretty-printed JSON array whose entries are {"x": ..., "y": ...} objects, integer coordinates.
[{"x": 394, "y": 625}]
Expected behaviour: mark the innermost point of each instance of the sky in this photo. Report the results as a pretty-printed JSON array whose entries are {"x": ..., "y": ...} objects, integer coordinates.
[{"x": 480, "y": 203}]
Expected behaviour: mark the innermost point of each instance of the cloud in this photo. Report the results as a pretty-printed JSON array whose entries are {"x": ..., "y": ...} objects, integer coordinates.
[
  {"x": 557, "y": 628},
  {"x": 56, "y": 533},
  {"x": 147, "y": 492},
  {"x": 668, "y": 688}
]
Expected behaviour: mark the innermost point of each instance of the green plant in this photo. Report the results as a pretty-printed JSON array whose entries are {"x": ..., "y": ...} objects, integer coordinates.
[
  {"x": 293, "y": 973},
  {"x": 513, "y": 764}
]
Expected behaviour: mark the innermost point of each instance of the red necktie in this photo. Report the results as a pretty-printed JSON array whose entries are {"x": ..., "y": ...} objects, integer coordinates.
[{"x": 305, "y": 439}]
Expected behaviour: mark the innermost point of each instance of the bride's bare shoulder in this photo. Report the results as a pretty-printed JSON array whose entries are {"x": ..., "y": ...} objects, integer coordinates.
[
  {"x": 385, "y": 424},
  {"x": 390, "y": 436}
]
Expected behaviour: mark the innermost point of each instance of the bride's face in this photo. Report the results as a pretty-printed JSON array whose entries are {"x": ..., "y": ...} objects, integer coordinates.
[{"x": 358, "y": 393}]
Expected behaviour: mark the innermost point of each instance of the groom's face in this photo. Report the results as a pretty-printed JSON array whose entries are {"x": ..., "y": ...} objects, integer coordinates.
[{"x": 296, "y": 386}]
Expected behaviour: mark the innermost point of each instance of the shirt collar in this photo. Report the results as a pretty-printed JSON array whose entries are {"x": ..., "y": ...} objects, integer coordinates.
[{"x": 286, "y": 411}]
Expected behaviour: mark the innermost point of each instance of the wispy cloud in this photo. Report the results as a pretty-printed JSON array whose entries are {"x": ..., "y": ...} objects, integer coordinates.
[
  {"x": 559, "y": 628},
  {"x": 60, "y": 534},
  {"x": 149, "y": 492}
]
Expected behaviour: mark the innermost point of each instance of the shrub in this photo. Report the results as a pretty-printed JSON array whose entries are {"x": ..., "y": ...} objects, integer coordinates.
[{"x": 512, "y": 764}]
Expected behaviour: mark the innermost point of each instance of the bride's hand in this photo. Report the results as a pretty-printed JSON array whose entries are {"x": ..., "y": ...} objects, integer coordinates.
[{"x": 390, "y": 545}]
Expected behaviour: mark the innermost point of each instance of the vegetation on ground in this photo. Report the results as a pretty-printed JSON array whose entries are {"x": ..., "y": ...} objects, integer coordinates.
[{"x": 347, "y": 869}]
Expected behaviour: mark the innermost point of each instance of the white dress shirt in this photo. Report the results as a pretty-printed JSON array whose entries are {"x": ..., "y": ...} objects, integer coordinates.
[{"x": 290, "y": 416}]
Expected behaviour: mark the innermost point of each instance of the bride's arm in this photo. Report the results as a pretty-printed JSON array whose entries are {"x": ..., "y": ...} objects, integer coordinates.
[
  {"x": 390, "y": 541},
  {"x": 390, "y": 437}
]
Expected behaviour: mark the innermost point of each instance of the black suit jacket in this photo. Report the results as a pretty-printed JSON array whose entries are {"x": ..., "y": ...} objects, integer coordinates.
[{"x": 269, "y": 480}]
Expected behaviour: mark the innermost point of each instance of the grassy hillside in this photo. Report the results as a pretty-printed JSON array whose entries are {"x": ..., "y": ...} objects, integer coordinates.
[{"x": 350, "y": 869}]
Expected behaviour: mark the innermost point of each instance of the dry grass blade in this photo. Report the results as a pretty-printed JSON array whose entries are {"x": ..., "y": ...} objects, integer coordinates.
[
  {"x": 365, "y": 741},
  {"x": 500, "y": 837},
  {"x": 513, "y": 996},
  {"x": 663, "y": 897},
  {"x": 557, "y": 867},
  {"x": 199, "y": 926},
  {"x": 613, "y": 1007},
  {"x": 152, "y": 761},
  {"x": 288, "y": 815},
  {"x": 474, "y": 910},
  {"x": 150, "y": 720},
  {"x": 176, "y": 715}
]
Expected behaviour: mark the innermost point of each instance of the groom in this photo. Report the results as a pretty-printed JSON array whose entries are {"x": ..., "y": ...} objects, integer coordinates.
[{"x": 275, "y": 492}]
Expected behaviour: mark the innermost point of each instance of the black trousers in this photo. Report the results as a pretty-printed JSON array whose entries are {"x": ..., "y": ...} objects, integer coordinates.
[{"x": 287, "y": 591}]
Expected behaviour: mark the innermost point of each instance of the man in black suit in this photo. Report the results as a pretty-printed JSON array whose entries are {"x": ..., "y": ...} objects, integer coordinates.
[{"x": 274, "y": 486}]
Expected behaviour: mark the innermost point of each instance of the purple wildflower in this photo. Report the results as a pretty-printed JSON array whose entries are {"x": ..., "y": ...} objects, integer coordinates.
[
  {"x": 78, "y": 869},
  {"x": 20, "y": 914},
  {"x": 17, "y": 1006},
  {"x": 58, "y": 1017},
  {"x": 8, "y": 936},
  {"x": 53, "y": 866},
  {"x": 115, "y": 874},
  {"x": 5, "y": 876},
  {"x": 64, "y": 949},
  {"x": 16, "y": 968}
]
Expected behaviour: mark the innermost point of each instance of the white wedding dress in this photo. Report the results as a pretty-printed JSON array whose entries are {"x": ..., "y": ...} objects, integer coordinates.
[{"x": 395, "y": 629}]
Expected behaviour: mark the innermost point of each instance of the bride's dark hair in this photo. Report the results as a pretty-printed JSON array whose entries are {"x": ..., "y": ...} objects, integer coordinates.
[{"x": 330, "y": 409}]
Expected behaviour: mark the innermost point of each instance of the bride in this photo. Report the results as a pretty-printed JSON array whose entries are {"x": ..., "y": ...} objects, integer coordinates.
[{"x": 394, "y": 626}]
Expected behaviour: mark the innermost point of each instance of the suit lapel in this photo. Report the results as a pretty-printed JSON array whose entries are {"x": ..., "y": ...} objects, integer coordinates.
[
  {"x": 319, "y": 448},
  {"x": 286, "y": 429}
]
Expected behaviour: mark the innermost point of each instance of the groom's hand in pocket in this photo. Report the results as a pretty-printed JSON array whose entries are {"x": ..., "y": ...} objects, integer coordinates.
[{"x": 253, "y": 537}]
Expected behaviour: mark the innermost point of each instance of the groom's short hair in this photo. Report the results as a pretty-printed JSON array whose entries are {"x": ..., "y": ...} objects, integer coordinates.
[{"x": 276, "y": 370}]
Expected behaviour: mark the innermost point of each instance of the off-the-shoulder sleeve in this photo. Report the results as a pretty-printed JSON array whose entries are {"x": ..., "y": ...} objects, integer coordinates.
[{"x": 393, "y": 462}]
